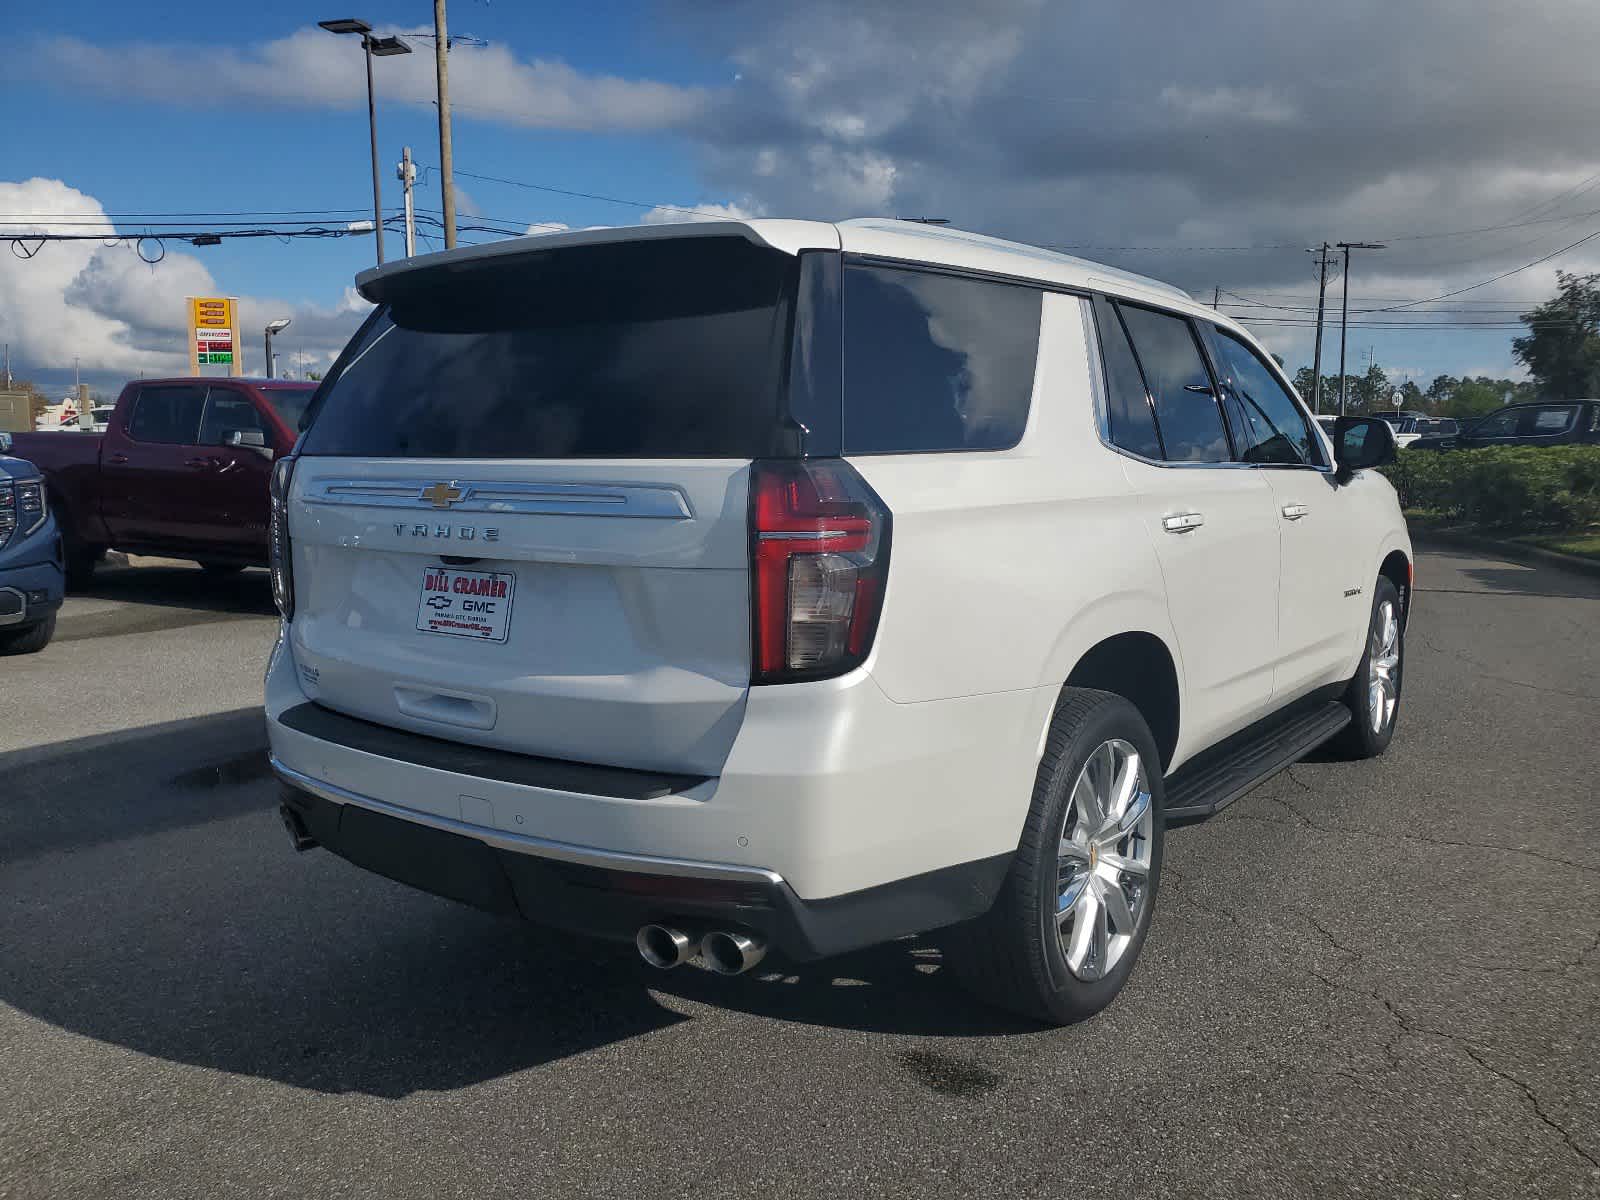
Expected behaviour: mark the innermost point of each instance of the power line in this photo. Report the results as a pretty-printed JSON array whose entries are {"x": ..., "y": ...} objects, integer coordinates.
[{"x": 1472, "y": 287}]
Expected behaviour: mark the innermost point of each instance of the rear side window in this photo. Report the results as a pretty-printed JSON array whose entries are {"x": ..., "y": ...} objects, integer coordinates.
[
  {"x": 935, "y": 362},
  {"x": 656, "y": 349},
  {"x": 1551, "y": 420},
  {"x": 168, "y": 413},
  {"x": 1186, "y": 407},
  {"x": 1132, "y": 421}
]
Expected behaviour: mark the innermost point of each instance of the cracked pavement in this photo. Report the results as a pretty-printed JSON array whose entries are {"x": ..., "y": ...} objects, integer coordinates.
[{"x": 1364, "y": 979}]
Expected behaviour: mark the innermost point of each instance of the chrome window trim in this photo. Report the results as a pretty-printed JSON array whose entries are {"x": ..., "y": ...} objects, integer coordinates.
[
  {"x": 656, "y": 501},
  {"x": 1102, "y": 417},
  {"x": 522, "y": 843}
]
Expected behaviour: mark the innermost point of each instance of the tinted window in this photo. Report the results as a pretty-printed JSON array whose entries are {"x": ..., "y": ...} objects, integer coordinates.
[
  {"x": 662, "y": 349},
  {"x": 1268, "y": 426},
  {"x": 226, "y": 411},
  {"x": 1500, "y": 424},
  {"x": 935, "y": 362},
  {"x": 1545, "y": 421},
  {"x": 1186, "y": 409},
  {"x": 168, "y": 413},
  {"x": 1128, "y": 413}
]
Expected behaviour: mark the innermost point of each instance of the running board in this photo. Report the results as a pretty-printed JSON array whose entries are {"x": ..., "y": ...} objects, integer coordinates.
[{"x": 1222, "y": 774}]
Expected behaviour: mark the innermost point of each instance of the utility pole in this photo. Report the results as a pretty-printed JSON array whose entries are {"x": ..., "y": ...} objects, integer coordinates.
[
  {"x": 8, "y": 366},
  {"x": 1316, "y": 360},
  {"x": 408, "y": 177},
  {"x": 447, "y": 187},
  {"x": 1344, "y": 317}
]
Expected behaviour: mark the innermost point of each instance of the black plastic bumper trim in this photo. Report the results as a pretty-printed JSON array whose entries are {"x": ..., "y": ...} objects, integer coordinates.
[
  {"x": 613, "y": 903},
  {"x": 561, "y": 775}
]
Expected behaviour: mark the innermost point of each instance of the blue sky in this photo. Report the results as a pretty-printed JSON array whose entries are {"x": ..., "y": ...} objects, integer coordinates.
[{"x": 1015, "y": 117}]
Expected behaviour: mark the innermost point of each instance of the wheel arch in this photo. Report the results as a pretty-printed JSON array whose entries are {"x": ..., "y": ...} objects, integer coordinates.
[
  {"x": 1396, "y": 569},
  {"x": 1139, "y": 667}
]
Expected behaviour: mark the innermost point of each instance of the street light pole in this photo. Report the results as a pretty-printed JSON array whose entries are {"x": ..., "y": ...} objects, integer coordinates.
[
  {"x": 1344, "y": 316},
  {"x": 273, "y": 327},
  {"x": 382, "y": 47},
  {"x": 372, "y": 134}
]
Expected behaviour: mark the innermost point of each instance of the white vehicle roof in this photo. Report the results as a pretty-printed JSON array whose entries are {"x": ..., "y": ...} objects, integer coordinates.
[{"x": 911, "y": 241}]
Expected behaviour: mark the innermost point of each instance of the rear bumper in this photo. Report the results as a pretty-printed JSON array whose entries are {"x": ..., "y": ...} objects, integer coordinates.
[
  {"x": 839, "y": 818},
  {"x": 609, "y": 895}
]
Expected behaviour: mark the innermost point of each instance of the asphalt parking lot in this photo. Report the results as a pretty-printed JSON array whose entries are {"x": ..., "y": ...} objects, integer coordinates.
[{"x": 1375, "y": 979}]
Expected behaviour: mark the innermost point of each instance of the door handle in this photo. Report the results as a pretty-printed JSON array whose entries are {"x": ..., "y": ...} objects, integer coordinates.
[
  {"x": 1293, "y": 512},
  {"x": 199, "y": 464},
  {"x": 1182, "y": 522},
  {"x": 118, "y": 459}
]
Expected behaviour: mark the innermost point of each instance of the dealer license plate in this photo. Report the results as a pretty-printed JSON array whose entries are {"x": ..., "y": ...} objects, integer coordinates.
[{"x": 470, "y": 604}]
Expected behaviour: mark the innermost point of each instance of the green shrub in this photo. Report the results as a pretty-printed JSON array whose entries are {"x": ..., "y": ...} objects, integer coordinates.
[{"x": 1504, "y": 487}]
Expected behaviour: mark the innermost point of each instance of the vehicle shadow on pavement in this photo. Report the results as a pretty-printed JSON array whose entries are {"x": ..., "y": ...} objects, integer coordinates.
[
  {"x": 171, "y": 584},
  {"x": 898, "y": 988},
  {"x": 152, "y": 902}
]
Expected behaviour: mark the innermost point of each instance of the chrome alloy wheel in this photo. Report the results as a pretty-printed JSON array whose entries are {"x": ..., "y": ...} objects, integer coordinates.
[
  {"x": 1383, "y": 683},
  {"x": 1103, "y": 864}
]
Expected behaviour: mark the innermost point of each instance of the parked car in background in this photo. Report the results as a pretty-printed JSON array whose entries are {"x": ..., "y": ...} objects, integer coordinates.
[
  {"x": 182, "y": 470},
  {"x": 735, "y": 584},
  {"x": 1404, "y": 423},
  {"x": 1551, "y": 423},
  {"x": 31, "y": 571},
  {"x": 1437, "y": 426}
]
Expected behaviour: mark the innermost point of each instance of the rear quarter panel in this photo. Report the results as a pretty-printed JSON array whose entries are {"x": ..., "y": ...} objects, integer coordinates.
[{"x": 1006, "y": 567}]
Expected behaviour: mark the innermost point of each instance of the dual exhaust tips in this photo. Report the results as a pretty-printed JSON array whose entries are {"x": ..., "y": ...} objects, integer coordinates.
[{"x": 723, "y": 951}]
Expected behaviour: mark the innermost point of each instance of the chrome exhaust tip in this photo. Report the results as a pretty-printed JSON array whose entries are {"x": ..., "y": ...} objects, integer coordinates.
[
  {"x": 665, "y": 946},
  {"x": 732, "y": 953}
]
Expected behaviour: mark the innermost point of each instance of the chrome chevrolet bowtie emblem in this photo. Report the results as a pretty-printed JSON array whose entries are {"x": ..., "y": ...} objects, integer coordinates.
[{"x": 441, "y": 495}]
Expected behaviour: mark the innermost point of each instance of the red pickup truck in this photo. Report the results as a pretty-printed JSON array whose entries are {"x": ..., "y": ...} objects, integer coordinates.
[{"x": 181, "y": 471}]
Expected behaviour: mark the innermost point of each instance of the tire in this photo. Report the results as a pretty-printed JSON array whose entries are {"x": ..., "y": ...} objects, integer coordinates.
[
  {"x": 81, "y": 557},
  {"x": 1017, "y": 955},
  {"x": 220, "y": 570},
  {"x": 1370, "y": 731},
  {"x": 31, "y": 640}
]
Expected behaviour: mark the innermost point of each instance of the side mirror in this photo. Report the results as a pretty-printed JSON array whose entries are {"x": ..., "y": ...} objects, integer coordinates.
[
  {"x": 245, "y": 439},
  {"x": 1359, "y": 443}
]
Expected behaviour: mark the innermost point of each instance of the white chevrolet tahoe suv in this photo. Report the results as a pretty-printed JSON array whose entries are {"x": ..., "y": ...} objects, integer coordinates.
[{"x": 791, "y": 585}]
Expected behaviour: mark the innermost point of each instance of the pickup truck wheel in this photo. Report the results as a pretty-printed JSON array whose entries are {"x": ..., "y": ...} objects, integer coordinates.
[
  {"x": 81, "y": 558},
  {"x": 30, "y": 640},
  {"x": 220, "y": 570},
  {"x": 1374, "y": 691},
  {"x": 1063, "y": 936}
]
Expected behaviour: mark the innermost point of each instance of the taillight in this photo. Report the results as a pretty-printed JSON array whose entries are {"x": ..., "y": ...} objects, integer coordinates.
[
  {"x": 819, "y": 554},
  {"x": 278, "y": 556}
]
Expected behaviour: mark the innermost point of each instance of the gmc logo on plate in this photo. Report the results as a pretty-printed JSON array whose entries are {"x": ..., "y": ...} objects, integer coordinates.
[{"x": 463, "y": 533}]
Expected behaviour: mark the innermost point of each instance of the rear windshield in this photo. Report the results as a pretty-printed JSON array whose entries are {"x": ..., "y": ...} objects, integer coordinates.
[{"x": 663, "y": 349}]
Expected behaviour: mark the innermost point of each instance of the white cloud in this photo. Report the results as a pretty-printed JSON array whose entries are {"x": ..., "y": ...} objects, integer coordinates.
[
  {"x": 314, "y": 69},
  {"x": 118, "y": 315},
  {"x": 539, "y": 227},
  {"x": 675, "y": 214}
]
